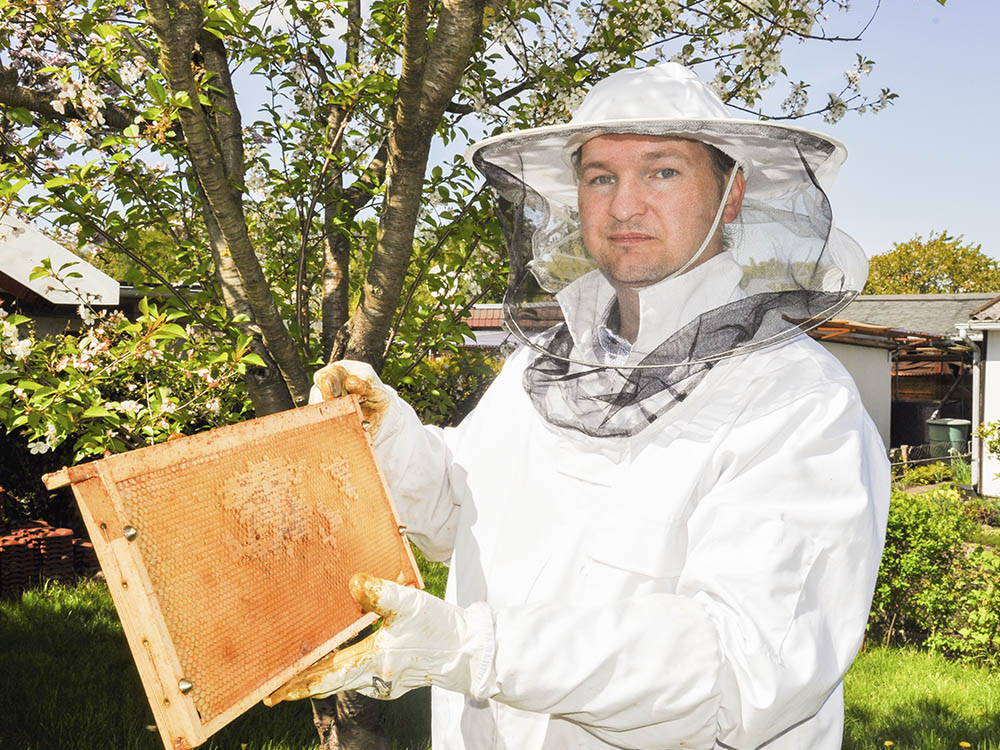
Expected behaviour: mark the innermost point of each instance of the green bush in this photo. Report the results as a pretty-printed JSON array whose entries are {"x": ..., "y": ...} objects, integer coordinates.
[
  {"x": 972, "y": 631},
  {"x": 920, "y": 476},
  {"x": 935, "y": 589},
  {"x": 923, "y": 540},
  {"x": 443, "y": 388}
]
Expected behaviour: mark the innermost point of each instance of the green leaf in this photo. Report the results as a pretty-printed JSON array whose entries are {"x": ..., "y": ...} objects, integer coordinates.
[
  {"x": 12, "y": 188},
  {"x": 57, "y": 182},
  {"x": 156, "y": 90},
  {"x": 171, "y": 331},
  {"x": 254, "y": 359},
  {"x": 97, "y": 411},
  {"x": 20, "y": 115}
]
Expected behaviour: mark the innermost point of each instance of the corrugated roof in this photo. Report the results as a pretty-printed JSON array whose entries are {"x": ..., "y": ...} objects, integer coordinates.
[
  {"x": 905, "y": 341},
  {"x": 988, "y": 313},
  {"x": 929, "y": 313}
]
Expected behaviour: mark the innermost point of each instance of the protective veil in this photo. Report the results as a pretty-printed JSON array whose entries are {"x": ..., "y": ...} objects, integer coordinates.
[{"x": 792, "y": 269}]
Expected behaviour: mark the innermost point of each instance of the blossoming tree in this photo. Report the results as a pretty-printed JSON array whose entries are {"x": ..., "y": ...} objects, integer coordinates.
[{"x": 281, "y": 151}]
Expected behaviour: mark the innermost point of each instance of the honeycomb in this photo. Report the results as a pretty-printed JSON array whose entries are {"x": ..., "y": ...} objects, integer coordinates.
[{"x": 248, "y": 535}]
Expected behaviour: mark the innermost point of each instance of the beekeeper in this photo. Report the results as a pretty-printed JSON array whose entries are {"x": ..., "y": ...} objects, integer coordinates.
[{"x": 665, "y": 517}]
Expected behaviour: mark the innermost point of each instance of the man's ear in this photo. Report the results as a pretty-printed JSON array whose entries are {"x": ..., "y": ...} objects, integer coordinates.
[{"x": 735, "y": 201}]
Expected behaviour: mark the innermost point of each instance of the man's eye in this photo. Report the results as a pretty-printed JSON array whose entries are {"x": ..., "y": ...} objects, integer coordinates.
[
  {"x": 666, "y": 173},
  {"x": 602, "y": 179}
]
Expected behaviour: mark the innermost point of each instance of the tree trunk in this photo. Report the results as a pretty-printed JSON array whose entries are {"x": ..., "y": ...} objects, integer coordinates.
[
  {"x": 429, "y": 79},
  {"x": 221, "y": 179},
  {"x": 265, "y": 385},
  {"x": 349, "y": 721}
]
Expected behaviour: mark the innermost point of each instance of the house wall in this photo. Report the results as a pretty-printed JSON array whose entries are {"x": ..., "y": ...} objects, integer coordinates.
[
  {"x": 871, "y": 369},
  {"x": 990, "y": 393}
]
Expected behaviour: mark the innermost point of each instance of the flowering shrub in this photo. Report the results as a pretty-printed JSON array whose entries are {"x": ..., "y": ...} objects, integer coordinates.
[
  {"x": 117, "y": 384},
  {"x": 444, "y": 388}
]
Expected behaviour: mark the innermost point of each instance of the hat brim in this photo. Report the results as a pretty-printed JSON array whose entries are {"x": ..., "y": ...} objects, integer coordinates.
[{"x": 771, "y": 155}]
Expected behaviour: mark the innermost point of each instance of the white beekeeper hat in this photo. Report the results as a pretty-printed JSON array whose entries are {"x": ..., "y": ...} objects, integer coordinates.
[{"x": 669, "y": 100}]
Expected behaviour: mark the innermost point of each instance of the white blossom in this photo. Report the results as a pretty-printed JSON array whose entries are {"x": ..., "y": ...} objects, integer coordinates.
[
  {"x": 19, "y": 349},
  {"x": 130, "y": 407},
  {"x": 132, "y": 71},
  {"x": 76, "y": 132},
  {"x": 837, "y": 108},
  {"x": 798, "y": 98}
]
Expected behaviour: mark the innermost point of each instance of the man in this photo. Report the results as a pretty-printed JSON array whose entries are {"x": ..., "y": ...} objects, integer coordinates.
[{"x": 664, "y": 519}]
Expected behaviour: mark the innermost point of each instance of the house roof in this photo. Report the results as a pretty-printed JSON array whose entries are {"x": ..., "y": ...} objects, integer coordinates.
[
  {"x": 22, "y": 249},
  {"x": 987, "y": 313},
  {"x": 486, "y": 322},
  {"x": 928, "y": 313}
]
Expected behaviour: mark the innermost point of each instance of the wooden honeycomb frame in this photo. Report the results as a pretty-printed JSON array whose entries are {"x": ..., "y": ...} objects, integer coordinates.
[{"x": 228, "y": 554}]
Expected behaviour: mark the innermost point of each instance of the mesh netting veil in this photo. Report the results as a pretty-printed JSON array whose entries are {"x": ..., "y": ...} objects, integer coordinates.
[{"x": 785, "y": 269}]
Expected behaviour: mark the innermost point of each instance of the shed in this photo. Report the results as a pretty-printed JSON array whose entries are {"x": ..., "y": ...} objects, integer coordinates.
[
  {"x": 983, "y": 329},
  {"x": 51, "y": 303}
]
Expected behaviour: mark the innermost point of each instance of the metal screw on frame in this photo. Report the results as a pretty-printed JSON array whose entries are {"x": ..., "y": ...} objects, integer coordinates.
[
  {"x": 185, "y": 685},
  {"x": 130, "y": 533}
]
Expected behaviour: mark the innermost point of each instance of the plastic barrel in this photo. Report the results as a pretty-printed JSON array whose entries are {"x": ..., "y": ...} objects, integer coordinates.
[{"x": 947, "y": 434}]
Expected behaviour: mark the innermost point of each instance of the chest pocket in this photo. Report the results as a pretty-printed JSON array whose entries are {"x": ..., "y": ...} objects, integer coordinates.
[{"x": 632, "y": 556}]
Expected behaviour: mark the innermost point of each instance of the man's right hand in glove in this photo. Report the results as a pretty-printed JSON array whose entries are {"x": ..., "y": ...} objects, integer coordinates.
[{"x": 358, "y": 378}]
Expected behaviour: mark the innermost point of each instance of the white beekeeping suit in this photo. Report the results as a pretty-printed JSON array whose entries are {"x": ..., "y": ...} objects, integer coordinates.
[{"x": 676, "y": 551}]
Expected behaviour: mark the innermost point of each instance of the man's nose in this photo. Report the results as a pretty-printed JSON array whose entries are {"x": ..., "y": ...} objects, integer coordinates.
[{"x": 628, "y": 201}]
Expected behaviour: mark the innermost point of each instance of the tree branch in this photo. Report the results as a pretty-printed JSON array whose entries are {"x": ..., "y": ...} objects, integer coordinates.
[
  {"x": 418, "y": 111},
  {"x": 40, "y": 102}
]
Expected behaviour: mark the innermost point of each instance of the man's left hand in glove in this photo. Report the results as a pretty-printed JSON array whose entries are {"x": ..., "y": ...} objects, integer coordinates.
[{"x": 422, "y": 641}]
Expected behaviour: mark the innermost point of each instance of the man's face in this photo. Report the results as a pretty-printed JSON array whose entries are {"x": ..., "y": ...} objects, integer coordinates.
[{"x": 647, "y": 203}]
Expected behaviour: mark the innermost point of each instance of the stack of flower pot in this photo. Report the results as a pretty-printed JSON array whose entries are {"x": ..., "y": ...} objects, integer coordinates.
[
  {"x": 33, "y": 551},
  {"x": 56, "y": 548},
  {"x": 18, "y": 565},
  {"x": 84, "y": 558}
]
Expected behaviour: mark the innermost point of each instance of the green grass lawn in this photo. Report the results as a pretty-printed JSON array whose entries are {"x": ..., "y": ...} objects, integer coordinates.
[
  {"x": 67, "y": 682},
  {"x": 919, "y": 701}
]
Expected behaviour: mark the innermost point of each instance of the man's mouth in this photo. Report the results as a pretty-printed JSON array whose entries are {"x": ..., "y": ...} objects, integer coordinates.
[{"x": 629, "y": 237}]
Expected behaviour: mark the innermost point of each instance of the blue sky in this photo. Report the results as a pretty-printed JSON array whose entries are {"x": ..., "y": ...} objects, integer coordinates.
[{"x": 928, "y": 162}]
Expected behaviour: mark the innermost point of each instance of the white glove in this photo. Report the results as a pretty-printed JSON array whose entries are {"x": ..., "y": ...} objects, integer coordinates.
[
  {"x": 350, "y": 377},
  {"x": 423, "y": 641}
]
